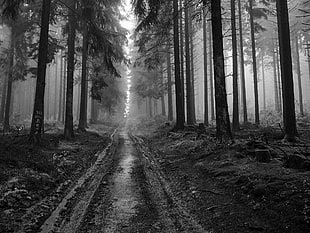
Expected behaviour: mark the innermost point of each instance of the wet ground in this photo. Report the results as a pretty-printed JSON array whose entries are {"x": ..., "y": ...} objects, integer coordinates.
[
  {"x": 123, "y": 192},
  {"x": 131, "y": 198}
]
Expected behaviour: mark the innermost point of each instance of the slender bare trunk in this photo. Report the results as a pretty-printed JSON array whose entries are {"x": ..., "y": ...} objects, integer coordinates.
[
  {"x": 301, "y": 106},
  {"x": 264, "y": 81},
  {"x": 205, "y": 65},
  {"x": 84, "y": 86},
  {"x": 235, "y": 121},
  {"x": 242, "y": 75},
  {"x": 189, "y": 101},
  {"x": 7, "y": 114},
  {"x": 60, "y": 87},
  {"x": 180, "y": 116},
  {"x": 254, "y": 63},
  {"x": 275, "y": 76},
  {"x": 169, "y": 77}
]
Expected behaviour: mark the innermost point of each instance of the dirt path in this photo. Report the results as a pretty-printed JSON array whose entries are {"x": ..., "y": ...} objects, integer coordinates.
[{"x": 124, "y": 193}]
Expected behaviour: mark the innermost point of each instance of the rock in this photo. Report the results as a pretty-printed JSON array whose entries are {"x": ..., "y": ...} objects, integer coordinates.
[
  {"x": 262, "y": 155},
  {"x": 297, "y": 161}
]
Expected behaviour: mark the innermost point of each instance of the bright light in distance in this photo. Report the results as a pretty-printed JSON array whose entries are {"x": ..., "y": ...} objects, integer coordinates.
[{"x": 128, "y": 23}]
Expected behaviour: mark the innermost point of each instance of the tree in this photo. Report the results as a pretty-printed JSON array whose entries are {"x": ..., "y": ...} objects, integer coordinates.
[
  {"x": 242, "y": 78},
  {"x": 235, "y": 122},
  {"x": 68, "y": 129},
  {"x": 180, "y": 117},
  {"x": 169, "y": 85},
  {"x": 84, "y": 84},
  {"x": 189, "y": 97},
  {"x": 6, "y": 124},
  {"x": 289, "y": 117},
  {"x": 205, "y": 64},
  {"x": 254, "y": 62},
  {"x": 222, "y": 117},
  {"x": 38, "y": 110}
]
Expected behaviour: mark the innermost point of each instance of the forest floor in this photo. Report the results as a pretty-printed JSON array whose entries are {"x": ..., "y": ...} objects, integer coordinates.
[
  {"x": 144, "y": 177},
  {"x": 34, "y": 179},
  {"x": 225, "y": 186}
]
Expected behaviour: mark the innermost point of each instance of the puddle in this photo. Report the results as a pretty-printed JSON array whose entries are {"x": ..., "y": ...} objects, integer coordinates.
[{"x": 125, "y": 196}]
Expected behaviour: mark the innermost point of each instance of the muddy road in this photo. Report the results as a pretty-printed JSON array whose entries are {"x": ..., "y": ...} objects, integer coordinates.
[{"x": 124, "y": 191}]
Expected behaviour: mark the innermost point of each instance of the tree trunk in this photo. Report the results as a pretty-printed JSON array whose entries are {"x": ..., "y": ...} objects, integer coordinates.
[
  {"x": 7, "y": 114},
  {"x": 84, "y": 86},
  {"x": 254, "y": 62},
  {"x": 263, "y": 79},
  {"x": 47, "y": 97},
  {"x": 64, "y": 87},
  {"x": 301, "y": 106},
  {"x": 235, "y": 122},
  {"x": 38, "y": 110},
  {"x": 242, "y": 75},
  {"x": 182, "y": 72},
  {"x": 205, "y": 65},
  {"x": 94, "y": 111},
  {"x": 211, "y": 74},
  {"x": 289, "y": 117},
  {"x": 162, "y": 98},
  {"x": 190, "y": 120},
  {"x": 279, "y": 80},
  {"x": 150, "y": 107},
  {"x": 3, "y": 99},
  {"x": 68, "y": 131},
  {"x": 180, "y": 116},
  {"x": 275, "y": 76},
  {"x": 191, "y": 39},
  {"x": 60, "y": 87},
  {"x": 308, "y": 58},
  {"x": 56, "y": 87},
  {"x": 222, "y": 117},
  {"x": 169, "y": 77}
]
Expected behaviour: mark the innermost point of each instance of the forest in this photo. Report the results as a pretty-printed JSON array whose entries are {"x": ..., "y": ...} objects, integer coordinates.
[{"x": 210, "y": 91}]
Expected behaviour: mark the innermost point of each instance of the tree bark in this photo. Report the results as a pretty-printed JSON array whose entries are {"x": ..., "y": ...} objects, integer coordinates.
[
  {"x": 182, "y": 70},
  {"x": 279, "y": 80},
  {"x": 191, "y": 39},
  {"x": 275, "y": 76},
  {"x": 235, "y": 121},
  {"x": 254, "y": 62},
  {"x": 205, "y": 64},
  {"x": 150, "y": 107},
  {"x": 38, "y": 110},
  {"x": 223, "y": 130},
  {"x": 264, "y": 81},
  {"x": 7, "y": 114},
  {"x": 162, "y": 98},
  {"x": 211, "y": 74},
  {"x": 169, "y": 76},
  {"x": 190, "y": 120},
  {"x": 3, "y": 98},
  {"x": 289, "y": 117},
  {"x": 180, "y": 116},
  {"x": 301, "y": 105},
  {"x": 68, "y": 130},
  {"x": 60, "y": 88},
  {"x": 242, "y": 74},
  {"x": 84, "y": 86}
]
